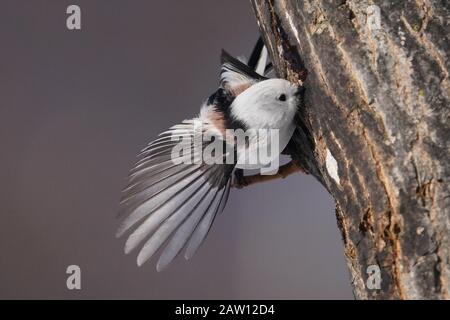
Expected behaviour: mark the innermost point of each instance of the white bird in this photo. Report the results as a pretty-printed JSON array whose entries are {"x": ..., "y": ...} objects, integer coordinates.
[{"x": 172, "y": 199}]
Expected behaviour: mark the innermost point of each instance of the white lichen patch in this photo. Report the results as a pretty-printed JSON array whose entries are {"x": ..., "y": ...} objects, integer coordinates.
[
  {"x": 280, "y": 51},
  {"x": 293, "y": 28},
  {"x": 401, "y": 35},
  {"x": 373, "y": 18},
  {"x": 332, "y": 167},
  {"x": 420, "y": 230}
]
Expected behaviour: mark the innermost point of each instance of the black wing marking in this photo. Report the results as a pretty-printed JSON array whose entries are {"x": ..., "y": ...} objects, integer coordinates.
[{"x": 236, "y": 76}]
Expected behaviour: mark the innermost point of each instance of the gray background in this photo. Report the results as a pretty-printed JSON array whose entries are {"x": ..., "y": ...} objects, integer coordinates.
[{"x": 76, "y": 106}]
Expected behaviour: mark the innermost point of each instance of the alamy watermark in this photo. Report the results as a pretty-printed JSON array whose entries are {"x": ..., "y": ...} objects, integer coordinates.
[
  {"x": 73, "y": 21},
  {"x": 73, "y": 281},
  {"x": 253, "y": 148},
  {"x": 374, "y": 277}
]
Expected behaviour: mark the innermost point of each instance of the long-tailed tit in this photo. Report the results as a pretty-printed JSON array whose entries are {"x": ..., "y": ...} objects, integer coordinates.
[{"x": 174, "y": 191}]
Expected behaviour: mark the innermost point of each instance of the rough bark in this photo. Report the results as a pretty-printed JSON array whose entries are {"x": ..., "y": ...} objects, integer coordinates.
[{"x": 376, "y": 130}]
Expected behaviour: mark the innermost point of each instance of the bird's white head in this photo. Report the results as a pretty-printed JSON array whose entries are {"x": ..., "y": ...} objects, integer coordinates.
[{"x": 270, "y": 103}]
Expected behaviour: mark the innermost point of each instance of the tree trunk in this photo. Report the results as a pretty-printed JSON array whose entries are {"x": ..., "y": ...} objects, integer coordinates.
[{"x": 376, "y": 130}]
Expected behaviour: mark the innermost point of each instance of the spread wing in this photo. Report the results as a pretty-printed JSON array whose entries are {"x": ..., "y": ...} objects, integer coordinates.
[{"x": 171, "y": 197}]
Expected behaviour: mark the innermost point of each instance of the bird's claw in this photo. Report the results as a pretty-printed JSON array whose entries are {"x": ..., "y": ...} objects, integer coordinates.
[{"x": 239, "y": 180}]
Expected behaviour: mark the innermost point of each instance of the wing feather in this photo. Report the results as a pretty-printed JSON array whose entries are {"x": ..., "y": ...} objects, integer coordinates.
[
  {"x": 168, "y": 196},
  {"x": 204, "y": 226},
  {"x": 189, "y": 205},
  {"x": 182, "y": 235},
  {"x": 159, "y": 211}
]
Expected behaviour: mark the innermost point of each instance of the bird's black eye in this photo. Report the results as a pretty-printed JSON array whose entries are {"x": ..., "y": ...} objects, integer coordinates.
[{"x": 282, "y": 97}]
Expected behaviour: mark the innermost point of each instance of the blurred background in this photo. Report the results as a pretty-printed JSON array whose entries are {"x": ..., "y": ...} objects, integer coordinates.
[{"x": 77, "y": 106}]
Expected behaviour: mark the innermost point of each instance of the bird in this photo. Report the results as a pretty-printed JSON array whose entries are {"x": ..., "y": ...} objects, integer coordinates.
[{"x": 171, "y": 199}]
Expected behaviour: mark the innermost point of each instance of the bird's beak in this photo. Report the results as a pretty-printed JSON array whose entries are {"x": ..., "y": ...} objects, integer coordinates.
[{"x": 300, "y": 92}]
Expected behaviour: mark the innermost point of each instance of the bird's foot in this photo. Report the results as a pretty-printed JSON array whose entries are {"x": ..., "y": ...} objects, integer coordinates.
[
  {"x": 284, "y": 171},
  {"x": 239, "y": 180}
]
